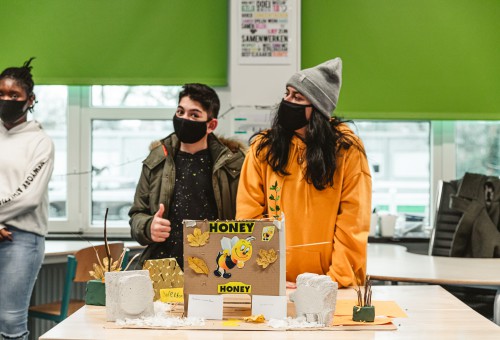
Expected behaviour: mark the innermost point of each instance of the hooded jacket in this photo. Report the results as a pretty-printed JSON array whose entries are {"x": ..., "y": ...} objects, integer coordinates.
[
  {"x": 326, "y": 230},
  {"x": 25, "y": 173},
  {"x": 478, "y": 231},
  {"x": 157, "y": 181}
]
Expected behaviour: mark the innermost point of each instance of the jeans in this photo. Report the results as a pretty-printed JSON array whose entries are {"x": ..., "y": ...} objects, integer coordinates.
[{"x": 20, "y": 261}]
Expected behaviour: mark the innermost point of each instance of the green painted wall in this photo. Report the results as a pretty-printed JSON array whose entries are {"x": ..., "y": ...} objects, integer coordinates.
[
  {"x": 412, "y": 59},
  {"x": 125, "y": 42}
]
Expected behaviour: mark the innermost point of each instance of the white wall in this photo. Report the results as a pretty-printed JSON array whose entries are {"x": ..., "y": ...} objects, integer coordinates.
[{"x": 256, "y": 86}]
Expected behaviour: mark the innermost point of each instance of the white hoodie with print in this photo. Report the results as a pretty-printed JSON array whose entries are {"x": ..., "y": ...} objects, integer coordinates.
[{"x": 26, "y": 164}]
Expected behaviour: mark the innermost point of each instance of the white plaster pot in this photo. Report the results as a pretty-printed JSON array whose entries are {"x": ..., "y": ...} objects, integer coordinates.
[{"x": 129, "y": 295}]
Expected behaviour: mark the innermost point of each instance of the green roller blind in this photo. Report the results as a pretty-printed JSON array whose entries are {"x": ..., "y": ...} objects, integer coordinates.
[
  {"x": 126, "y": 42},
  {"x": 409, "y": 59}
]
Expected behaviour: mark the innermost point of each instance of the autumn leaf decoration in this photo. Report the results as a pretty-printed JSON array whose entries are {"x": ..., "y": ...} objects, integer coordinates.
[
  {"x": 105, "y": 266},
  {"x": 197, "y": 238},
  {"x": 108, "y": 264},
  {"x": 198, "y": 265},
  {"x": 266, "y": 257},
  {"x": 275, "y": 197},
  {"x": 255, "y": 318}
]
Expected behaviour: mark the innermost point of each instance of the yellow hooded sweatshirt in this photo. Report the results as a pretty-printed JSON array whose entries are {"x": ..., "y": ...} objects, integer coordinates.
[{"x": 326, "y": 230}]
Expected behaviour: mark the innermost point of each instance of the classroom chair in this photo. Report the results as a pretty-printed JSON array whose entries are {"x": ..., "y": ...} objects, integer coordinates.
[
  {"x": 445, "y": 221},
  {"x": 480, "y": 299},
  {"x": 77, "y": 270}
]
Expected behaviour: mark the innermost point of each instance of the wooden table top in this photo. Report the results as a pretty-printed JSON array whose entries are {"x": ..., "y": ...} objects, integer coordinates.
[
  {"x": 389, "y": 262},
  {"x": 433, "y": 313},
  {"x": 57, "y": 251}
]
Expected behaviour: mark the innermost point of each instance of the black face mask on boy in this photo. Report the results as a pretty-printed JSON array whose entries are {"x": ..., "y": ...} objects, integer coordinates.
[
  {"x": 189, "y": 131},
  {"x": 292, "y": 116},
  {"x": 11, "y": 110}
]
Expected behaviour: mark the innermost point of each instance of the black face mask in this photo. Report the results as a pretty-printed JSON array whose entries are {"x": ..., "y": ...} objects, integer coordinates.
[
  {"x": 12, "y": 110},
  {"x": 189, "y": 131},
  {"x": 292, "y": 116}
]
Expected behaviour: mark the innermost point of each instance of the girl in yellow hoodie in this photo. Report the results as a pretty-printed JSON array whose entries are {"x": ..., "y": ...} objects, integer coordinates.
[{"x": 313, "y": 169}]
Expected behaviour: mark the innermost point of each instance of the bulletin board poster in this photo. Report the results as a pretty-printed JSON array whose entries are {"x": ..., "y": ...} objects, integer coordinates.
[{"x": 265, "y": 31}]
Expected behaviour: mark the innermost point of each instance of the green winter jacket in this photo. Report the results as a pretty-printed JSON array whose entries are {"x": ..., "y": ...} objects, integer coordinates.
[{"x": 156, "y": 184}]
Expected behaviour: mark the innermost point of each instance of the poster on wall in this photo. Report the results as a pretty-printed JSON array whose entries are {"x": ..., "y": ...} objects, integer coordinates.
[{"x": 265, "y": 29}]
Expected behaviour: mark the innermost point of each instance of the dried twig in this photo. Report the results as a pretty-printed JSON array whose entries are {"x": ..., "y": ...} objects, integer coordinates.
[
  {"x": 108, "y": 252},
  {"x": 130, "y": 262},
  {"x": 365, "y": 296},
  {"x": 358, "y": 292},
  {"x": 367, "y": 290}
]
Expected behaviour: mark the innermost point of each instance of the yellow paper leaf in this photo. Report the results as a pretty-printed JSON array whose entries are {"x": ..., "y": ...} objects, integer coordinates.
[
  {"x": 266, "y": 257},
  {"x": 198, "y": 265},
  {"x": 197, "y": 238},
  {"x": 115, "y": 266},
  {"x": 99, "y": 270},
  {"x": 97, "y": 273},
  {"x": 255, "y": 318}
]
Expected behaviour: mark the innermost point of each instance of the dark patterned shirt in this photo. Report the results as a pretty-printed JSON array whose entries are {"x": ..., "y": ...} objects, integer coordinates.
[{"x": 193, "y": 199}]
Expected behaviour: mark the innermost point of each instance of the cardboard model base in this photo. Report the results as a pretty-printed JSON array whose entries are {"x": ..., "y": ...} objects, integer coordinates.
[
  {"x": 165, "y": 274},
  {"x": 233, "y": 257}
]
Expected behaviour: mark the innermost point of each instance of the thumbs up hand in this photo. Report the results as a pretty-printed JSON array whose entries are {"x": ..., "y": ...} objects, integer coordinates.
[{"x": 160, "y": 227}]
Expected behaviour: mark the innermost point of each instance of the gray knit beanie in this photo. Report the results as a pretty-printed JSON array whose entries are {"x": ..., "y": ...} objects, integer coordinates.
[{"x": 320, "y": 84}]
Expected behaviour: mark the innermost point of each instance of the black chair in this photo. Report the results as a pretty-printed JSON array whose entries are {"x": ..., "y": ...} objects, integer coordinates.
[
  {"x": 446, "y": 220},
  {"x": 445, "y": 224}
]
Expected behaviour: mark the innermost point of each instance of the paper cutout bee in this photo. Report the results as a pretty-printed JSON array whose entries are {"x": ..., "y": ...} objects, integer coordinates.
[
  {"x": 267, "y": 233},
  {"x": 235, "y": 252}
]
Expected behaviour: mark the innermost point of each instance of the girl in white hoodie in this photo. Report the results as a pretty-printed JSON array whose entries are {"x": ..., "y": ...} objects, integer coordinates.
[{"x": 26, "y": 164}]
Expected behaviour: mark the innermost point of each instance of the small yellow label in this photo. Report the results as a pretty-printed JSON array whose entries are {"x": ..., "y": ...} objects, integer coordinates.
[
  {"x": 234, "y": 288},
  {"x": 231, "y": 323},
  {"x": 172, "y": 295}
]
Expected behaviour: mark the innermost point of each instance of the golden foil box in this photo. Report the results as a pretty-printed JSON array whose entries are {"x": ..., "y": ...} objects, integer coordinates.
[{"x": 164, "y": 273}]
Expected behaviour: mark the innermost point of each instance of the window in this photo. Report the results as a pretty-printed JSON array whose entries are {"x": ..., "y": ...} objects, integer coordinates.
[
  {"x": 135, "y": 96},
  {"x": 118, "y": 148},
  {"x": 102, "y": 134},
  {"x": 116, "y": 132},
  {"x": 399, "y": 157},
  {"x": 99, "y": 149},
  {"x": 478, "y": 148},
  {"x": 51, "y": 112}
]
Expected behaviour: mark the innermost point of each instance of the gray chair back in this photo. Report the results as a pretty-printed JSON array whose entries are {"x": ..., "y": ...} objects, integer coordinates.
[{"x": 446, "y": 220}]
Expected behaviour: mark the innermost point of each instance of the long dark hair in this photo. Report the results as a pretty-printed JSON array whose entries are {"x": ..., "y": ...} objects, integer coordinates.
[{"x": 324, "y": 140}]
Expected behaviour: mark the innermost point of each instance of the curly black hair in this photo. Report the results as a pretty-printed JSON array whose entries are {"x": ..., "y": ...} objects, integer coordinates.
[{"x": 22, "y": 75}]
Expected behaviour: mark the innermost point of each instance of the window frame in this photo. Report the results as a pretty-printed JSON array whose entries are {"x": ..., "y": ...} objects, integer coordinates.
[
  {"x": 79, "y": 202},
  {"x": 80, "y": 114}
]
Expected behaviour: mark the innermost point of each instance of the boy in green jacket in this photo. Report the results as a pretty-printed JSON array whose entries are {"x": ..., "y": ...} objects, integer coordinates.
[{"x": 191, "y": 174}]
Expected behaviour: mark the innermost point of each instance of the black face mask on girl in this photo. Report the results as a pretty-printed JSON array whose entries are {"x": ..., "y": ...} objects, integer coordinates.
[
  {"x": 292, "y": 116},
  {"x": 189, "y": 131},
  {"x": 11, "y": 110}
]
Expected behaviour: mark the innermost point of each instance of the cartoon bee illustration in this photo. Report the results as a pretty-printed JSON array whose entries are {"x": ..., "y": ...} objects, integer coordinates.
[
  {"x": 267, "y": 233},
  {"x": 235, "y": 252}
]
